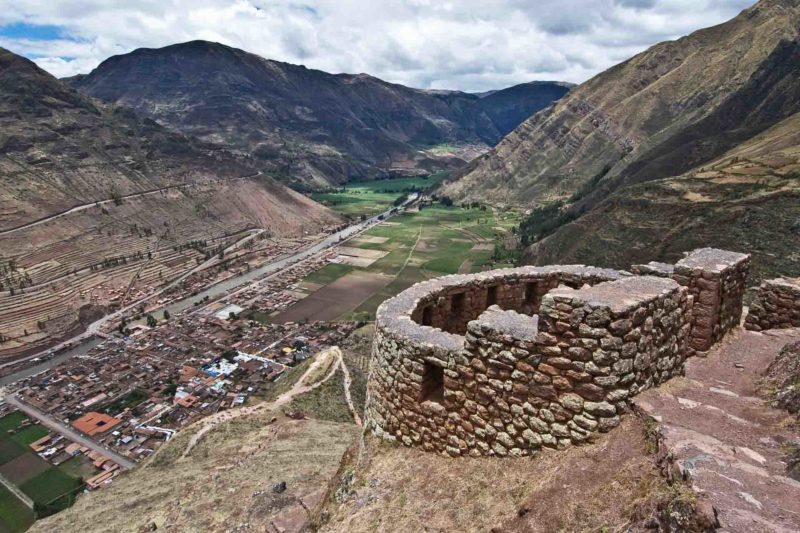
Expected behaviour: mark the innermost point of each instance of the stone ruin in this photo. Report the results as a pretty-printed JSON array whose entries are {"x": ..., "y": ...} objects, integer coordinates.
[
  {"x": 504, "y": 362},
  {"x": 776, "y": 305}
]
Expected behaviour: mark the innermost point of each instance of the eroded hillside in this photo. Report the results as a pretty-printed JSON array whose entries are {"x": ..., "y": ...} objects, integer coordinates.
[
  {"x": 745, "y": 200},
  {"x": 97, "y": 201},
  {"x": 678, "y": 105}
]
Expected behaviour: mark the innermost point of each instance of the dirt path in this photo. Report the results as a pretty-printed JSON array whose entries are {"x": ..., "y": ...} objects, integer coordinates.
[
  {"x": 300, "y": 387},
  {"x": 730, "y": 441},
  {"x": 348, "y": 398}
]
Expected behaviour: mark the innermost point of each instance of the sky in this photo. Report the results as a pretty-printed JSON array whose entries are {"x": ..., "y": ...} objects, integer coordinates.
[{"x": 471, "y": 45}]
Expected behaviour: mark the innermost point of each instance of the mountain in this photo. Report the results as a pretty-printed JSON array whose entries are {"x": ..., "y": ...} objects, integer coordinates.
[
  {"x": 508, "y": 108},
  {"x": 661, "y": 113},
  {"x": 98, "y": 204},
  {"x": 59, "y": 149},
  {"x": 307, "y": 124},
  {"x": 691, "y": 143},
  {"x": 747, "y": 200}
]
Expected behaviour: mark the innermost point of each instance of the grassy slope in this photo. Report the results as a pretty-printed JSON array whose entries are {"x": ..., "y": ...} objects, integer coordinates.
[
  {"x": 609, "y": 484},
  {"x": 224, "y": 484}
]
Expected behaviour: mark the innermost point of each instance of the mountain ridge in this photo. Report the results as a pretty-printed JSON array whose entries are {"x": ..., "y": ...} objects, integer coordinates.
[{"x": 304, "y": 122}]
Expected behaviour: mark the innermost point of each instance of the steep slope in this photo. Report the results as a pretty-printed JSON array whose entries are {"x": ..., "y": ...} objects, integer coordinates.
[
  {"x": 303, "y": 122},
  {"x": 94, "y": 201},
  {"x": 60, "y": 149},
  {"x": 225, "y": 483},
  {"x": 673, "y": 107},
  {"x": 746, "y": 200}
]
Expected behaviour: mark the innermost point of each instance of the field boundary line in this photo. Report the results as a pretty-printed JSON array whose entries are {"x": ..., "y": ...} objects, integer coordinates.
[{"x": 16, "y": 491}]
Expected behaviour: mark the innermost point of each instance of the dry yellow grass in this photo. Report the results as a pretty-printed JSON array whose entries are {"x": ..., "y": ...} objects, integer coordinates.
[
  {"x": 607, "y": 484},
  {"x": 225, "y": 484}
]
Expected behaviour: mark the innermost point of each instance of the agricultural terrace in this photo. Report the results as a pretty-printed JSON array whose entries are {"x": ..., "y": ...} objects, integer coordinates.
[
  {"x": 51, "y": 488},
  {"x": 411, "y": 247},
  {"x": 369, "y": 198}
]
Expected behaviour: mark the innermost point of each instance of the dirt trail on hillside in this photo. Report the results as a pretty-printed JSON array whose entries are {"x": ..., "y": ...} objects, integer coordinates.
[
  {"x": 300, "y": 387},
  {"x": 731, "y": 443}
]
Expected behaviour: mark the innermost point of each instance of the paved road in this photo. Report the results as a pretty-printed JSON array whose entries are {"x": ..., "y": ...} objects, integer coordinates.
[{"x": 59, "y": 427}]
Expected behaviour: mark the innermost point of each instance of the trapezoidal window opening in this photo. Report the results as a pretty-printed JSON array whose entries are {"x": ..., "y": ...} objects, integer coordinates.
[
  {"x": 432, "y": 383},
  {"x": 491, "y": 296},
  {"x": 427, "y": 316},
  {"x": 457, "y": 303}
]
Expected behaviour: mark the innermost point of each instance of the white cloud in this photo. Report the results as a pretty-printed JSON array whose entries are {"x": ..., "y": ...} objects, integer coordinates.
[{"x": 464, "y": 44}]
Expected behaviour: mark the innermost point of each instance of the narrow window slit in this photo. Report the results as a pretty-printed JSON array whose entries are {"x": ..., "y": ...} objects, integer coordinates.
[{"x": 432, "y": 383}]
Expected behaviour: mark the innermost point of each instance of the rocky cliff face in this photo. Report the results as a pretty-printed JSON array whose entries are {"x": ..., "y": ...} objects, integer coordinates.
[
  {"x": 307, "y": 124},
  {"x": 661, "y": 113}
]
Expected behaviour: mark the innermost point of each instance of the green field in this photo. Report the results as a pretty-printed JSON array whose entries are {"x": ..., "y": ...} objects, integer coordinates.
[
  {"x": 79, "y": 466},
  {"x": 11, "y": 421},
  {"x": 14, "y": 515},
  {"x": 29, "y": 434},
  {"x": 424, "y": 244},
  {"x": 52, "y": 490},
  {"x": 49, "y": 486},
  {"x": 328, "y": 273},
  {"x": 372, "y": 197}
]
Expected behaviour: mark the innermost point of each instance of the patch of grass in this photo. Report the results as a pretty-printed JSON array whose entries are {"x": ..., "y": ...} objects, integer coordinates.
[
  {"x": 11, "y": 421},
  {"x": 10, "y": 450},
  {"x": 15, "y": 516},
  {"x": 258, "y": 316},
  {"x": 29, "y": 434},
  {"x": 326, "y": 402},
  {"x": 651, "y": 430},
  {"x": 272, "y": 390},
  {"x": 329, "y": 273},
  {"x": 79, "y": 467},
  {"x": 129, "y": 400}
]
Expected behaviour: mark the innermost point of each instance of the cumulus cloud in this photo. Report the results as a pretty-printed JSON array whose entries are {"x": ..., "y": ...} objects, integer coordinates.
[{"x": 472, "y": 45}]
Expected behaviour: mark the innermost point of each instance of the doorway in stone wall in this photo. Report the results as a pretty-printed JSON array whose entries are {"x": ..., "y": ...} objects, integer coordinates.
[{"x": 432, "y": 383}]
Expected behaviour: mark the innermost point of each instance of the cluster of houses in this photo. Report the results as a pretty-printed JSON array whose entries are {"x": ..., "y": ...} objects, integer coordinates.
[{"x": 132, "y": 394}]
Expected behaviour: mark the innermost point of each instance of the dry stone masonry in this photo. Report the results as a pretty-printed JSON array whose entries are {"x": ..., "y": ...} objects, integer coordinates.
[
  {"x": 504, "y": 362},
  {"x": 717, "y": 280},
  {"x": 776, "y": 305}
]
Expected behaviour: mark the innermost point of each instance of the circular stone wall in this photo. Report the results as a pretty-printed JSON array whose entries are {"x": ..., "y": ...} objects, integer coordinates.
[{"x": 550, "y": 362}]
